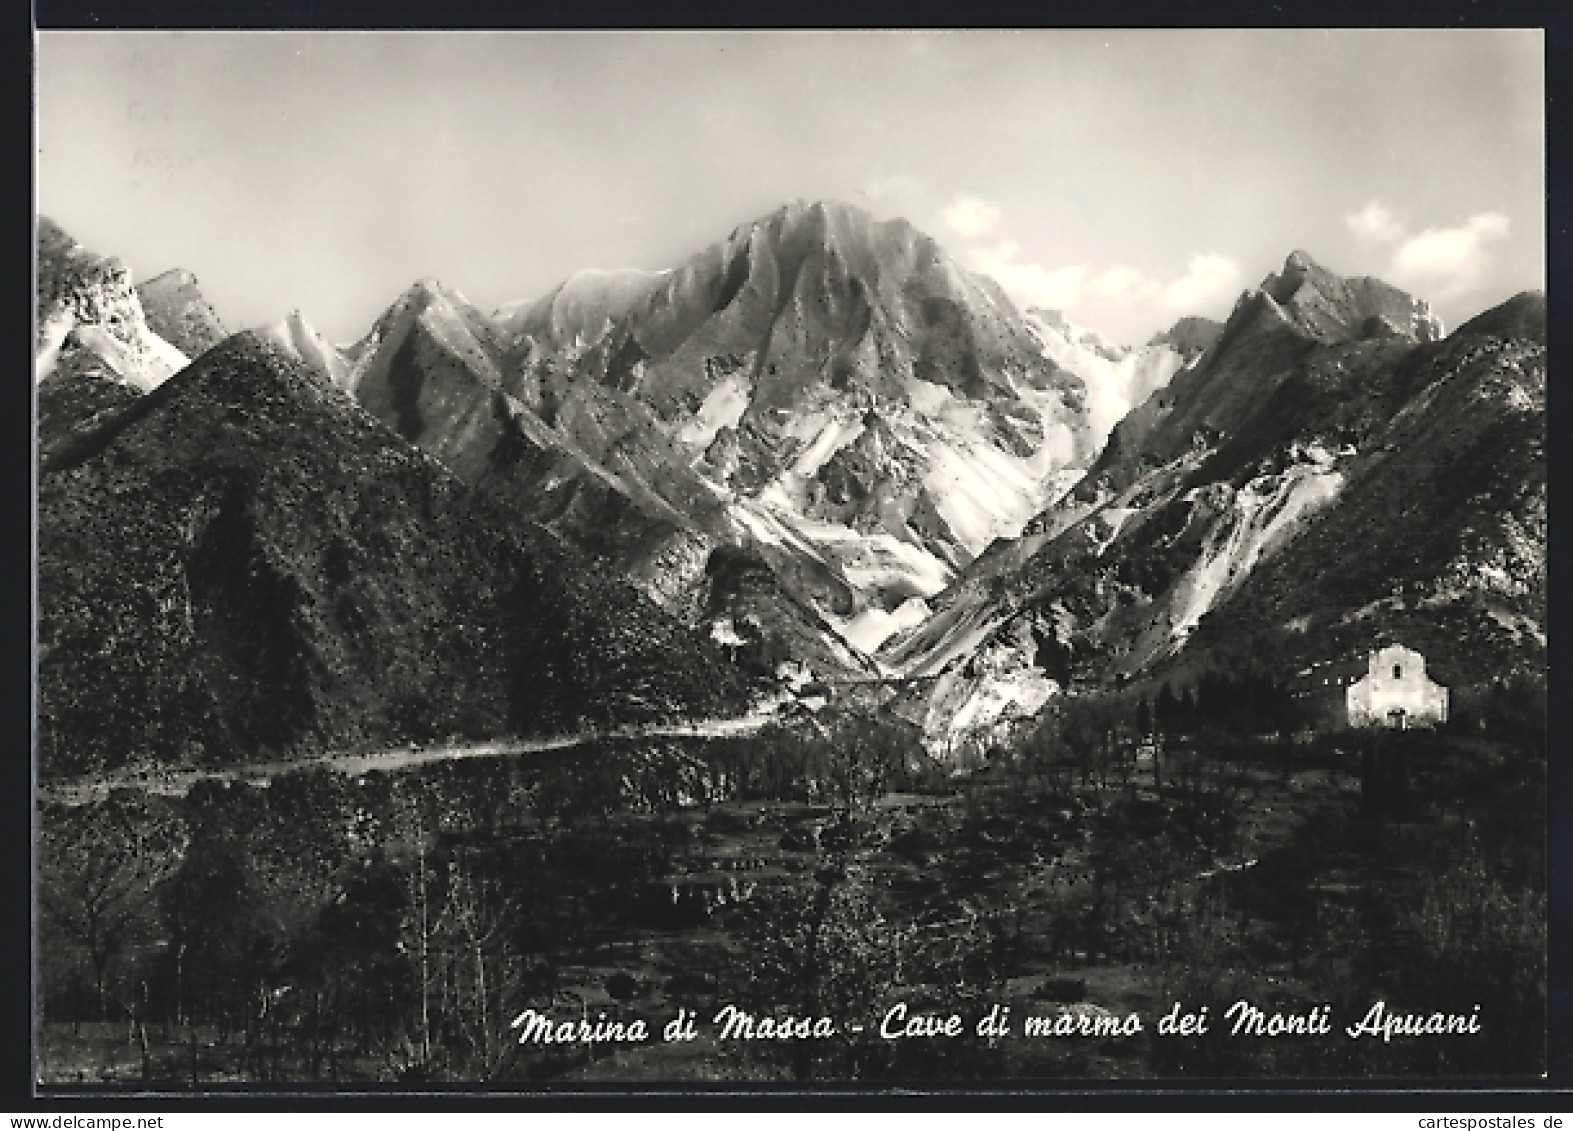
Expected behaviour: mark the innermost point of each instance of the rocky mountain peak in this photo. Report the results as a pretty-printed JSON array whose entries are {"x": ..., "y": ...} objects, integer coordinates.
[
  {"x": 74, "y": 282},
  {"x": 1298, "y": 266},
  {"x": 825, "y": 389},
  {"x": 177, "y": 312},
  {"x": 1332, "y": 308},
  {"x": 426, "y": 290},
  {"x": 90, "y": 318},
  {"x": 300, "y": 340}
]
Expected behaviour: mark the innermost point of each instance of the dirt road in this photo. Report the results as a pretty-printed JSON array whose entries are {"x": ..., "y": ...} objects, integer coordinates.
[{"x": 176, "y": 783}]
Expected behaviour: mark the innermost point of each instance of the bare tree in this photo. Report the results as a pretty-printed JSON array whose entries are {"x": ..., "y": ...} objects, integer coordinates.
[{"x": 98, "y": 866}]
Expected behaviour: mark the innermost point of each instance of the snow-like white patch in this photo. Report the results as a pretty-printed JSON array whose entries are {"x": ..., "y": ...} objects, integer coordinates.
[
  {"x": 871, "y": 563},
  {"x": 1105, "y": 526},
  {"x": 146, "y": 363},
  {"x": 873, "y": 626},
  {"x": 166, "y": 355},
  {"x": 981, "y": 492},
  {"x": 1117, "y": 378},
  {"x": 1316, "y": 452},
  {"x": 55, "y": 331},
  {"x": 836, "y": 434},
  {"x": 297, "y": 337},
  {"x": 928, "y": 398},
  {"x": 766, "y": 525},
  {"x": 880, "y": 562},
  {"x": 1266, "y": 513},
  {"x": 976, "y": 709}
]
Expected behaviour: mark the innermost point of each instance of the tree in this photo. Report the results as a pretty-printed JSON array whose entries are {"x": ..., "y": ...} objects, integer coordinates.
[
  {"x": 821, "y": 949},
  {"x": 1168, "y": 710},
  {"x": 97, "y": 868},
  {"x": 208, "y": 908},
  {"x": 474, "y": 957},
  {"x": 865, "y": 758},
  {"x": 348, "y": 968}
]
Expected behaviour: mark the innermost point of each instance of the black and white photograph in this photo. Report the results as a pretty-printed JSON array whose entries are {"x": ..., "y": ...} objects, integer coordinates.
[{"x": 758, "y": 559}]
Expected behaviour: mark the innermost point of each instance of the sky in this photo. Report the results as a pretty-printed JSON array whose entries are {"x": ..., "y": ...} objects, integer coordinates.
[{"x": 1125, "y": 177}]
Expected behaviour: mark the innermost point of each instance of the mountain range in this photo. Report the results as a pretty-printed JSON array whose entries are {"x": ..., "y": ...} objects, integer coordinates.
[{"x": 817, "y": 449}]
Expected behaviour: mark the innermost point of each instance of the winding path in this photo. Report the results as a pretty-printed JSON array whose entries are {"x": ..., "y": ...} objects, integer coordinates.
[{"x": 88, "y": 789}]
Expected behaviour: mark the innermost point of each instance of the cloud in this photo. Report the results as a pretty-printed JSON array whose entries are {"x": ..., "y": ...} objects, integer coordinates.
[
  {"x": 1446, "y": 261},
  {"x": 1375, "y": 224},
  {"x": 1208, "y": 275},
  {"x": 1123, "y": 286},
  {"x": 1028, "y": 284},
  {"x": 971, "y": 216},
  {"x": 1450, "y": 257}
]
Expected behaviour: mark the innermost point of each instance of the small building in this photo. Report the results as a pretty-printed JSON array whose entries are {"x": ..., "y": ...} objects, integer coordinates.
[{"x": 1396, "y": 692}]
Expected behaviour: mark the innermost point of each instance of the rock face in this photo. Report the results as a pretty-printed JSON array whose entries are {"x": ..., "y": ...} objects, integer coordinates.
[
  {"x": 279, "y": 573},
  {"x": 589, "y": 465},
  {"x": 830, "y": 395},
  {"x": 764, "y": 355},
  {"x": 1303, "y": 485},
  {"x": 1333, "y": 309},
  {"x": 91, "y": 324},
  {"x": 94, "y": 351}
]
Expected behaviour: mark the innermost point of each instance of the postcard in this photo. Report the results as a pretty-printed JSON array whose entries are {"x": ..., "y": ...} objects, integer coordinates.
[{"x": 787, "y": 558}]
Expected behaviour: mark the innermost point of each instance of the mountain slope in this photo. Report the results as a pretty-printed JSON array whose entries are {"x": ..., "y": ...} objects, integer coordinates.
[
  {"x": 243, "y": 563},
  {"x": 1305, "y": 465},
  {"x": 763, "y": 354},
  {"x": 177, "y": 312},
  {"x": 590, "y": 467},
  {"x": 1439, "y": 538}
]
